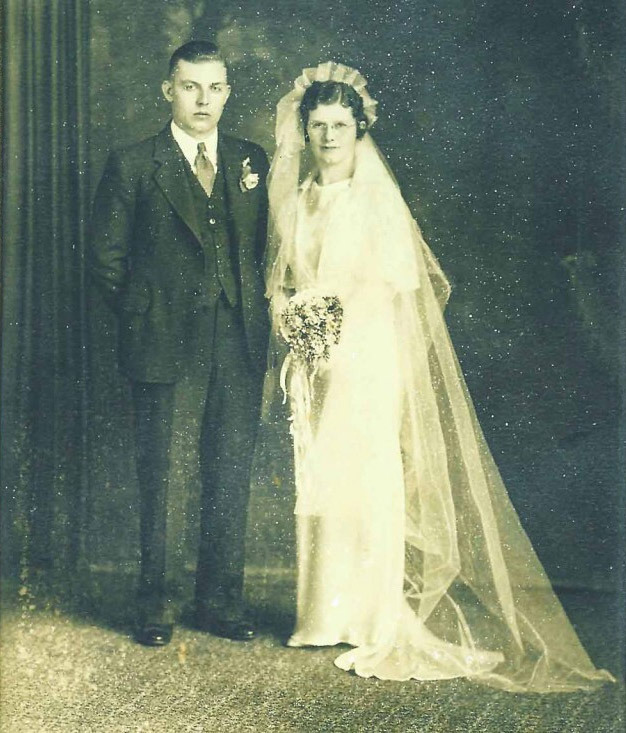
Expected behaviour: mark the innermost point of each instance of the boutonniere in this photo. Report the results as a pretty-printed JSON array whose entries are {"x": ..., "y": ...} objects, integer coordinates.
[{"x": 247, "y": 180}]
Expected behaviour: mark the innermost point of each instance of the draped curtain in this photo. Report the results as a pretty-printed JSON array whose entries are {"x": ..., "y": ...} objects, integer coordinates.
[{"x": 45, "y": 199}]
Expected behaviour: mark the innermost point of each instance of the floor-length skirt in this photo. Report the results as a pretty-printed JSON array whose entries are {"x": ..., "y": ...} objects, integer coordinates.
[{"x": 350, "y": 525}]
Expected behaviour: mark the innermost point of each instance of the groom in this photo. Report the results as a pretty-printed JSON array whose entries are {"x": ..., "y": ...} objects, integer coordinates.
[{"x": 177, "y": 242}]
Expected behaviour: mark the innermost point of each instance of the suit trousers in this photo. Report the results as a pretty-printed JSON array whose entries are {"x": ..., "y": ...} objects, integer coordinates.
[{"x": 227, "y": 438}]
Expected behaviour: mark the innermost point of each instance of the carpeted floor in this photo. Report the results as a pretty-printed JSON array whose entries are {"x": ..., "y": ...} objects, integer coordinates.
[{"x": 82, "y": 672}]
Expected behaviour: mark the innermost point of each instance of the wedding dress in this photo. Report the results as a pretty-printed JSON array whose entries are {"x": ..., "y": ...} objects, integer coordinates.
[
  {"x": 409, "y": 549},
  {"x": 351, "y": 528}
]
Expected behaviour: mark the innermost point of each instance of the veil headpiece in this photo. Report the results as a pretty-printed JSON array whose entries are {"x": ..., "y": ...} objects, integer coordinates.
[{"x": 289, "y": 130}]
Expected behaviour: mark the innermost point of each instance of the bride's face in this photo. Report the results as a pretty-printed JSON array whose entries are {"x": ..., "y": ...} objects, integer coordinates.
[{"x": 332, "y": 135}]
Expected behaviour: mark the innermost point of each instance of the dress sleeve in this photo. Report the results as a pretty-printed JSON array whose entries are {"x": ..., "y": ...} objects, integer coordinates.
[{"x": 392, "y": 237}]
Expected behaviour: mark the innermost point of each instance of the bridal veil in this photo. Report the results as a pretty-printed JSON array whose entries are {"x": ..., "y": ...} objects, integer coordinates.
[{"x": 471, "y": 575}]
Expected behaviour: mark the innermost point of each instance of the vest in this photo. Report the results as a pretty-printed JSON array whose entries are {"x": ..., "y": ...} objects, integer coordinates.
[{"x": 220, "y": 268}]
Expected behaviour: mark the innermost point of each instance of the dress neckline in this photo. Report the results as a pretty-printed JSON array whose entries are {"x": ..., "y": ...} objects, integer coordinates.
[{"x": 344, "y": 183}]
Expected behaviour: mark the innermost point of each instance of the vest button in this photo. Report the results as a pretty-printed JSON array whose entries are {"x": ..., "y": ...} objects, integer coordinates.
[{"x": 211, "y": 220}]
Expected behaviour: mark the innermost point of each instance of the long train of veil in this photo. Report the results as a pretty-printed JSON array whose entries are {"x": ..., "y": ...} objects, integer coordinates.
[{"x": 472, "y": 577}]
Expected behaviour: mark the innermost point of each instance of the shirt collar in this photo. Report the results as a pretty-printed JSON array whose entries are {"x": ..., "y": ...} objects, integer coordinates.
[{"x": 189, "y": 145}]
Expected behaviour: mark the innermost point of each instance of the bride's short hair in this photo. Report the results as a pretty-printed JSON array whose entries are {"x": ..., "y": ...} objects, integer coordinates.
[{"x": 330, "y": 92}]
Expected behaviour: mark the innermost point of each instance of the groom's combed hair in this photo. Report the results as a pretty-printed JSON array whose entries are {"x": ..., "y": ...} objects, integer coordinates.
[
  {"x": 330, "y": 92},
  {"x": 195, "y": 51}
]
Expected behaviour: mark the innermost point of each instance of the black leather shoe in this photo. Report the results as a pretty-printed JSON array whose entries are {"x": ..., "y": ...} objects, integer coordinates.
[
  {"x": 237, "y": 629},
  {"x": 155, "y": 634}
]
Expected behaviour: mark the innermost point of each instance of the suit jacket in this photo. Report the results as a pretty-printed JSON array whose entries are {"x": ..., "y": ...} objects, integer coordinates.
[{"x": 146, "y": 252}]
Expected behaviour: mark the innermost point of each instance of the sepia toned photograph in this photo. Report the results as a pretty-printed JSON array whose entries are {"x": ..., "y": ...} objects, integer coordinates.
[{"x": 313, "y": 366}]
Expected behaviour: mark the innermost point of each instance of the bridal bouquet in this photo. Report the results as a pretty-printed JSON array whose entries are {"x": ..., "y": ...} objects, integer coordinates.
[{"x": 311, "y": 325}]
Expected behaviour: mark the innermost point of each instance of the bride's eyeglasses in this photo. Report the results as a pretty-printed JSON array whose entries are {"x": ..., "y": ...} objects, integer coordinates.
[{"x": 319, "y": 128}]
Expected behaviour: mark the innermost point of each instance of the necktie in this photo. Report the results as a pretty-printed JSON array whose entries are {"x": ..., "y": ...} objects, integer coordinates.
[{"x": 204, "y": 169}]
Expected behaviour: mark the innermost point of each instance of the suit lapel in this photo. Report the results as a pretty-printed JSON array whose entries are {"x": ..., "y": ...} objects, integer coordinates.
[{"x": 171, "y": 177}]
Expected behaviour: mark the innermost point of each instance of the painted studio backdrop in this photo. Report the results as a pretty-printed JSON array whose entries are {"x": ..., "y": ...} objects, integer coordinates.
[{"x": 501, "y": 121}]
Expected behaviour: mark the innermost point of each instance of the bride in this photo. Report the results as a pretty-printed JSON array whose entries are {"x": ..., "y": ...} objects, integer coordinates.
[{"x": 409, "y": 549}]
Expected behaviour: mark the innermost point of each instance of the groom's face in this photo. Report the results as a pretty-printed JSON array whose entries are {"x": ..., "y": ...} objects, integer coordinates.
[{"x": 197, "y": 92}]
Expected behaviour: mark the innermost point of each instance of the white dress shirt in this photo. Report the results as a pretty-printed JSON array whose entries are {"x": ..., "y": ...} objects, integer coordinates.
[{"x": 189, "y": 145}]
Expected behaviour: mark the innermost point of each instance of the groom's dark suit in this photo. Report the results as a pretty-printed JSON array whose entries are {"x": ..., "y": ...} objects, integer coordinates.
[{"x": 184, "y": 274}]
